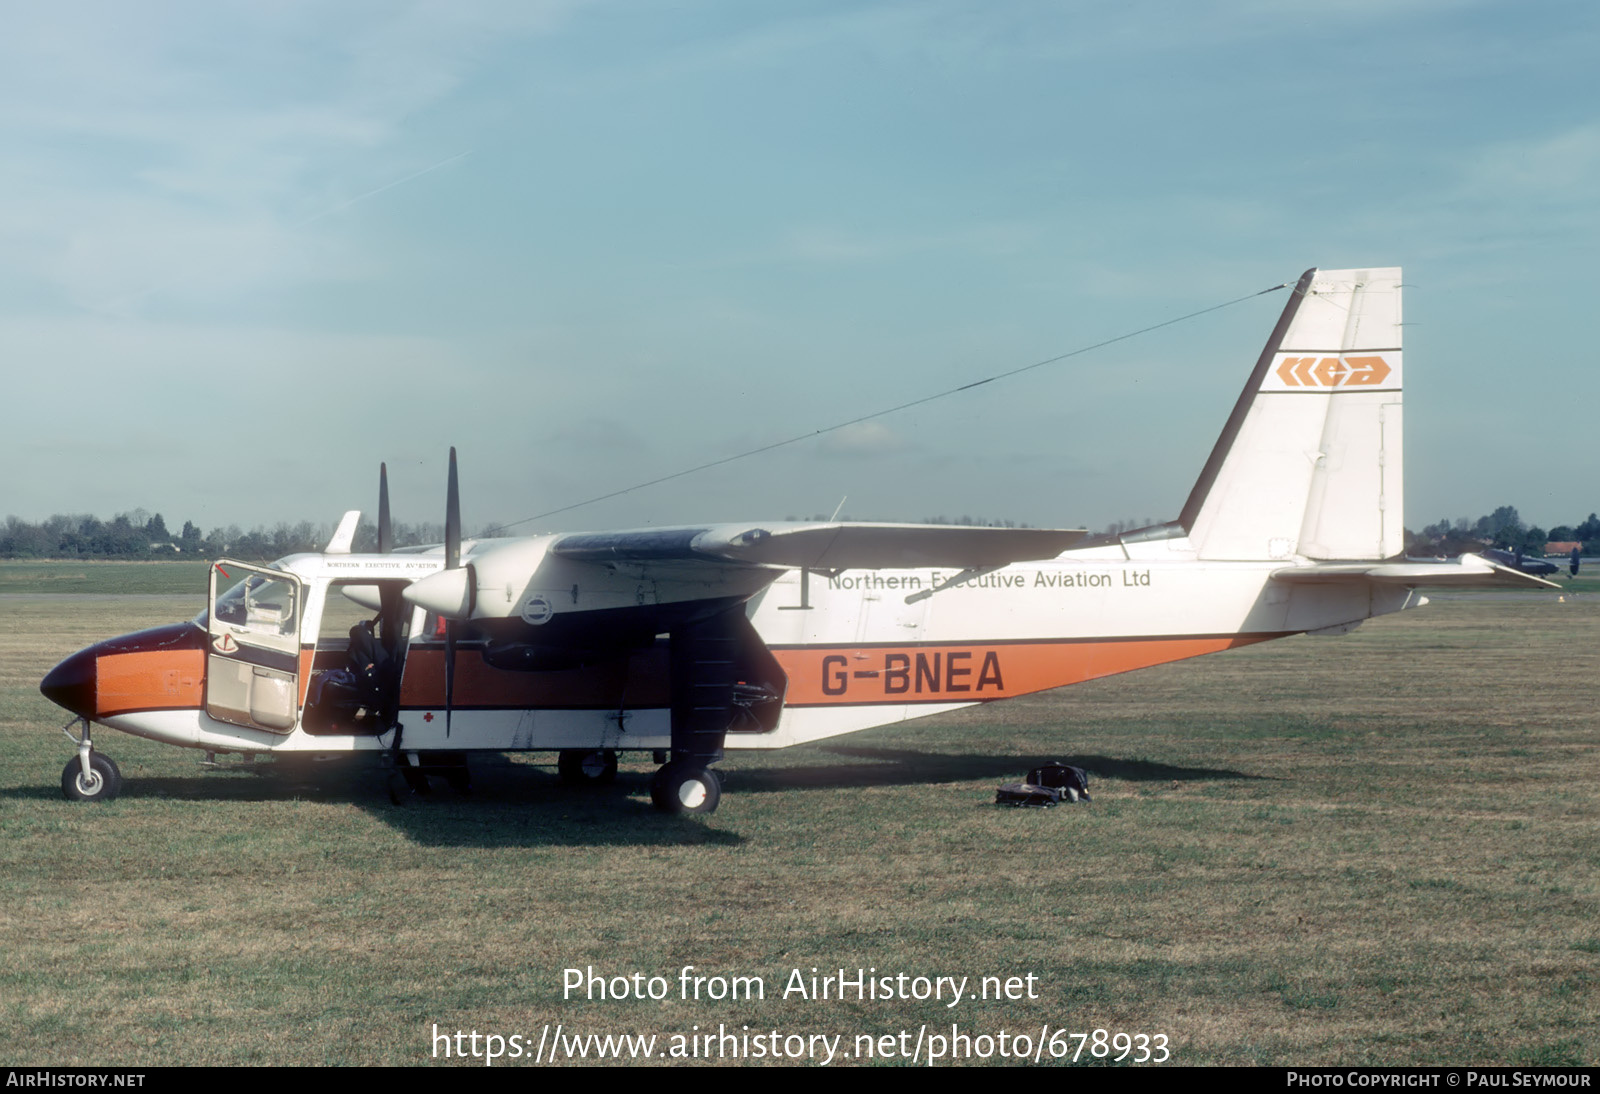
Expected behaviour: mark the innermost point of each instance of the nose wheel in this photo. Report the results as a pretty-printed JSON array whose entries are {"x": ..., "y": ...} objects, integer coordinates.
[
  {"x": 101, "y": 783},
  {"x": 88, "y": 776},
  {"x": 682, "y": 787}
]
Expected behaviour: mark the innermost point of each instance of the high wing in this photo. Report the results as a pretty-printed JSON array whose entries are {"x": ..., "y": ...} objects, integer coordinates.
[
  {"x": 584, "y": 572},
  {"x": 1469, "y": 571},
  {"x": 829, "y": 546}
]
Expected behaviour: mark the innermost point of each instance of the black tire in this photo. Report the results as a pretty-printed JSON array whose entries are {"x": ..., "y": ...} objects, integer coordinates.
[
  {"x": 416, "y": 779},
  {"x": 587, "y": 767},
  {"x": 681, "y": 787},
  {"x": 103, "y": 784}
]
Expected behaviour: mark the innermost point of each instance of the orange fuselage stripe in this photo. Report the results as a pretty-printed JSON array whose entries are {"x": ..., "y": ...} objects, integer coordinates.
[
  {"x": 637, "y": 682},
  {"x": 818, "y": 676},
  {"x": 156, "y": 680},
  {"x": 977, "y": 671}
]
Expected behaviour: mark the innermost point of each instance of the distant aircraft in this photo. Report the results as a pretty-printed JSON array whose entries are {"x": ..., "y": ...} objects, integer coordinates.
[
  {"x": 682, "y": 642},
  {"x": 1538, "y": 567}
]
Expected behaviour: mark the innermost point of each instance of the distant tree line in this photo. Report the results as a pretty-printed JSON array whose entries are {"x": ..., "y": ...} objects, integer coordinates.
[
  {"x": 139, "y": 535},
  {"x": 1504, "y": 529}
]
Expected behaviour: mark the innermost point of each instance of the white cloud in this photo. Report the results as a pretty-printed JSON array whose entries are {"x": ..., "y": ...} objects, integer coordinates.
[
  {"x": 818, "y": 243},
  {"x": 182, "y": 148},
  {"x": 1561, "y": 168},
  {"x": 863, "y": 441}
]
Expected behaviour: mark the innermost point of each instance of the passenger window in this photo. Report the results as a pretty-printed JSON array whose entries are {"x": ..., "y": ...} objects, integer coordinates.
[{"x": 339, "y": 614}]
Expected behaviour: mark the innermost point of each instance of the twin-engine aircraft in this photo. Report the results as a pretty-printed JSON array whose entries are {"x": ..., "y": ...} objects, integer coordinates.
[
  {"x": 685, "y": 642},
  {"x": 1538, "y": 567}
]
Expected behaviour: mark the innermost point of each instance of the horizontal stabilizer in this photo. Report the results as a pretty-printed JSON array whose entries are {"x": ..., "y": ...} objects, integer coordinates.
[
  {"x": 836, "y": 546},
  {"x": 1466, "y": 572}
]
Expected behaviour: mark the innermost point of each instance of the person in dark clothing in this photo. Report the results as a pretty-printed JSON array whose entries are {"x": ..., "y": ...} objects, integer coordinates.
[{"x": 371, "y": 663}]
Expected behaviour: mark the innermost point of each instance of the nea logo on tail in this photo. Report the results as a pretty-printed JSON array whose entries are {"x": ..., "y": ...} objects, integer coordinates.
[{"x": 1368, "y": 371}]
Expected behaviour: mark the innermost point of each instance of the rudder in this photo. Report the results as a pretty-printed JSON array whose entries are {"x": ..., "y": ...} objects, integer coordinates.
[{"x": 1310, "y": 462}]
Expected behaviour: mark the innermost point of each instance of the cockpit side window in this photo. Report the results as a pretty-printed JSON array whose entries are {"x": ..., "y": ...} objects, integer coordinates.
[{"x": 260, "y": 605}]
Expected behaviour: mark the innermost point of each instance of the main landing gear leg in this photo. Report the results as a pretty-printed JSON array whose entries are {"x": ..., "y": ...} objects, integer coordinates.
[
  {"x": 704, "y": 658},
  {"x": 89, "y": 776},
  {"x": 412, "y": 771}
]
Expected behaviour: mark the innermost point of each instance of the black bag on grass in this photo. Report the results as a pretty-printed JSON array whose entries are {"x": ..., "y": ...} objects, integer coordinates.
[
  {"x": 1073, "y": 782},
  {"x": 1020, "y": 794}
]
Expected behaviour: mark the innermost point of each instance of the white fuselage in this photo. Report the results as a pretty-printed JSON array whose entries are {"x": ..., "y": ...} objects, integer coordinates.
[{"x": 861, "y": 648}]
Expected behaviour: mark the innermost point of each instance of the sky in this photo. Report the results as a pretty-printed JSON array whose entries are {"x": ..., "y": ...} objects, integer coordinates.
[{"x": 247, "y": 251}]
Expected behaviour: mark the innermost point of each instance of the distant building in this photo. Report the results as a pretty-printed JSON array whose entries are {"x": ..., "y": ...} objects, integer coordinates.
[{"x": 1563, "y": 547}]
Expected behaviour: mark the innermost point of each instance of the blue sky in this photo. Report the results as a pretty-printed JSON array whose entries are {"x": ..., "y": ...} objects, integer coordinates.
[{"x": 249, "y": 250}]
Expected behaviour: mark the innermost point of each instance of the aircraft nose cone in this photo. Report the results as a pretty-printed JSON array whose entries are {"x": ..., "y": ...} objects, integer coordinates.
[{"x": 71, "y": 683}]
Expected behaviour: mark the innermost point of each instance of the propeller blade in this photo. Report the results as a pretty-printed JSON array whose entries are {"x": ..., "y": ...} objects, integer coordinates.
[
  {"x": 452, "y": 561},
  {"x": 452, "y": 518},
  {"x": 385, "y": 532}
]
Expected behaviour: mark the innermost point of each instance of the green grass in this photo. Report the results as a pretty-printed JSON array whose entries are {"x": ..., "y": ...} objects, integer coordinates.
[
  {"x": 94, "y": 577},
  {"x": 1585, "y": 582},
  {"x": 1373, "y": 849}
]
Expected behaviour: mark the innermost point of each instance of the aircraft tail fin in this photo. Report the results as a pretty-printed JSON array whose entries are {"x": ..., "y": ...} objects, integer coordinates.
[
  {"x": 344, "y": 536},
  {"x": 1310, "y": 460}
]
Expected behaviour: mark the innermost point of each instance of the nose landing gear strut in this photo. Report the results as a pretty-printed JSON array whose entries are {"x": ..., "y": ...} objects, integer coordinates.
[{"x": 89, "y": 776}]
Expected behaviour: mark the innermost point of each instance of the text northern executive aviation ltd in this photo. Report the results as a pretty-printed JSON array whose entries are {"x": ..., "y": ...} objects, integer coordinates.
[{"x": 1042, "y": 579}]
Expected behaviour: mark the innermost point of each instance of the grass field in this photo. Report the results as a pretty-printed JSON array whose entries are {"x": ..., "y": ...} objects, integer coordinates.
[
  {"x": 96, "y": 577},
  {"x": 1379, "y": 848}
]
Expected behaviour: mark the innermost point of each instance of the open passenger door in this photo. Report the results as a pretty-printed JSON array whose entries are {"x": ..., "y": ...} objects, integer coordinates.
[{"x": 253, "y": 665}]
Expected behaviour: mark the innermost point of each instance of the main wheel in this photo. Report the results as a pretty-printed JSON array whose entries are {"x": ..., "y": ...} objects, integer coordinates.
[
  {"x": 681, "y": 787},
  {"x": 457, "y": 774},
  {"x": 416, "y": 778},
  {"x": 103, "y": 783},
  {"x": 594, "y": 767}
]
